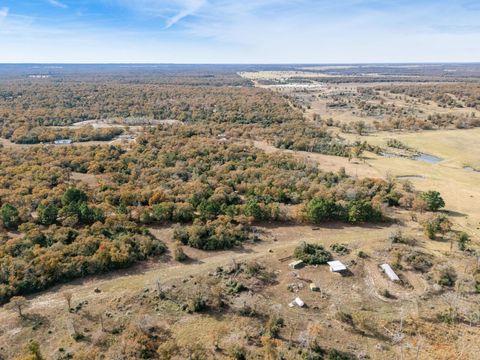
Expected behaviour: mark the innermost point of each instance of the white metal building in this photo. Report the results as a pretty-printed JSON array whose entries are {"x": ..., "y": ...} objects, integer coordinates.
[
  {"x": 387, "y": 269},
  {"x": 336, "y": 266},
  {"x": 63, "y": 142}
]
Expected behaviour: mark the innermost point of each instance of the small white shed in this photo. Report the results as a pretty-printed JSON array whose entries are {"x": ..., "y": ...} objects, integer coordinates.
[
  {"x": 299, "y": 302},
  {"x": 387, "y": 269},
  {"x": 336, "y": 266}
]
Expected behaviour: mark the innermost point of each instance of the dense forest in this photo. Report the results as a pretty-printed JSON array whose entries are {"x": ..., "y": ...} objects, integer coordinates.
[{"x": 32, "y": 104}]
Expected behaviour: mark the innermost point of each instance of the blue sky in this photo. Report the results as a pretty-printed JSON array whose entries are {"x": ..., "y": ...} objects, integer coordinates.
[{"x": 239, "y": 31}]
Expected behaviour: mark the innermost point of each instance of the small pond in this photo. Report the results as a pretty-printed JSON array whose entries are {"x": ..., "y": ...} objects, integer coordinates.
[{"x": 427, "y": 158}]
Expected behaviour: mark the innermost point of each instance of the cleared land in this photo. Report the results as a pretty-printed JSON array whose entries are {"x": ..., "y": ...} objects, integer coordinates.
[{"x": 364, "y": 286}]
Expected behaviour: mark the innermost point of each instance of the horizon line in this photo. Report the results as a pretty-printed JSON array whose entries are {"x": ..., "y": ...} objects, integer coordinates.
[{"x": 246, "y": 63}]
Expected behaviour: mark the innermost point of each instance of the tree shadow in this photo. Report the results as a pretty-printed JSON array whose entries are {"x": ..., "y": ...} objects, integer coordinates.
[
  {"x": 191, "y": 261},
  {"x": 454, "y": 213},
  {"x": 35, "y": 320},
  {"x": 347, "y": 273}
]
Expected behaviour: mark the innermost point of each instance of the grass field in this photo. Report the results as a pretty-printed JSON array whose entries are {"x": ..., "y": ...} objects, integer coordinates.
[{"x": 459, "y": 187}]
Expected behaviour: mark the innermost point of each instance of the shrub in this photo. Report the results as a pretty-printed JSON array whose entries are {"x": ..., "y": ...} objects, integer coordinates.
[
  {"x": 433, "y": 200},
  {"x": 273, "y": 326},
  {"x": 340, "y": 249},
  {"x": 235, "y": 287},
  {"x": 396, "y": 236},
  {"x": 312, "y": 254},
  {"x": 180, "y": 233},
  {"x": 9, "y": 216},
  {"x": 463, "y": 240},
  {"x": 362, "y": 211},
  {"x": 238, "y": 353},
  {"x": 446, "y": 276},
  {"x": 449, "y": 316},
  {"x": 47, "y": 215},
  {"x": 183, "y": 213},
  {"x": 255, "y": 210},
  {"x": 214, "y": 235},
  {"x": 319, "y": 210},
  {"x": 419, "y": 261},
  {"x": 196, "y": 304},
  {"x": 345, "y": 318},
  {"x": 178, "y": 253},
  {"x": 73, "y": 195},
  {"x": 476, "y": 280},
  {"x": 362, "y": 254},
  {"x": 397, "y": 144},
  {"x": 163, "y": 212},
  {"x": 388, "y": 294},
  {"x": 436, "y": 224},
  {"x": 338, "y": 355}
]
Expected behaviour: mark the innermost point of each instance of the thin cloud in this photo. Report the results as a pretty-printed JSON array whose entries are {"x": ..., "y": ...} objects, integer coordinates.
[
  {"x": 3, "y": 13},
  {"x": 172, "y": 11},
  {"x": 189, "y": 8},
  {"x": 57, "y": 4}
]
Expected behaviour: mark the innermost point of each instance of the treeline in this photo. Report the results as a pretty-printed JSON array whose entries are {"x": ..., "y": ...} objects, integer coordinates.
[
  {"x": 431, "y": 122},
  {"x": 303, "y": 136},
  {"x": 36, "y": 135}
]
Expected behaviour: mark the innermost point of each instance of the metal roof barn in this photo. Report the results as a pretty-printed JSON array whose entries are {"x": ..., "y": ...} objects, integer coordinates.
[
  {"x": 336, "y": 266},
  {"x": 387, "y": 269}
]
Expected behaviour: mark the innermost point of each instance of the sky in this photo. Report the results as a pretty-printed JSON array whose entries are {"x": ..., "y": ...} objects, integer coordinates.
[{"x": 239, "y": 31}]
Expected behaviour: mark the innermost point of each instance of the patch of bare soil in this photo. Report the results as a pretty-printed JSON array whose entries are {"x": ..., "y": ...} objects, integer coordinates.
[{"x": 91, "y": 180}]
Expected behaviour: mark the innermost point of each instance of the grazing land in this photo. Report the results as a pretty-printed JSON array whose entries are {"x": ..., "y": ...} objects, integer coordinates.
[{"x": 167, "y": 222}]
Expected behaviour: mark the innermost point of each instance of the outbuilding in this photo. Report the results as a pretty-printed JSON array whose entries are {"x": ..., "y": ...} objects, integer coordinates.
[
  {"x": 296, "y": 264},
  {"x": 299, "y": 302},
  {"x": 336, "y": 266},
  {"x": 63, "y": 142},
  {"x": 387, "y": 269}
]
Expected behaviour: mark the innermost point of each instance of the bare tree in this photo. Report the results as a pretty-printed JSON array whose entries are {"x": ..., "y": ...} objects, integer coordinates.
[
  {"x": 18, "y": 303},
  {"x": 100, "y": 317},
  {"x": 67, "y": 295}
]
